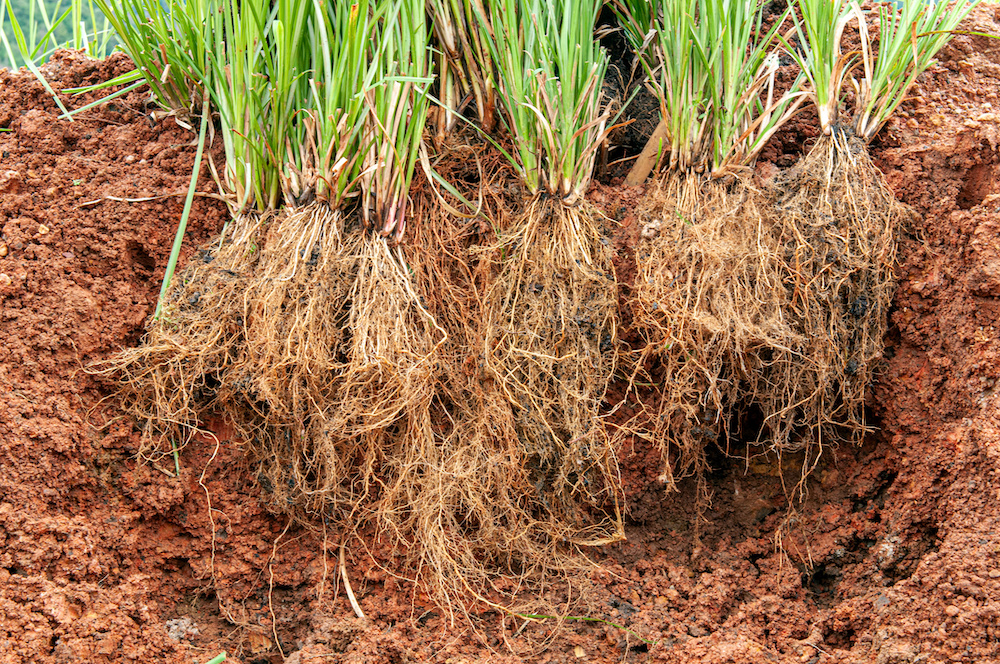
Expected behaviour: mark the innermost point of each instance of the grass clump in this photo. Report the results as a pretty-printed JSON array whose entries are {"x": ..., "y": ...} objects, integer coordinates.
[
  {"x": 514, "y": 472},
  {"x": 551, "y": 313},
  {"x": 763, "y": 304},
  {"x": 300, "y": 323},
  {"x": 198, "y": 329},
  {"x": 707, "y": 298},
  {"x": 336, "y": 339},
  {"x": 836, "y": 218}
]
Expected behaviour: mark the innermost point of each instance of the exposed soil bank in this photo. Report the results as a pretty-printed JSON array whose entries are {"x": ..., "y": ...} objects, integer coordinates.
[{"x": 894, "y": 556}]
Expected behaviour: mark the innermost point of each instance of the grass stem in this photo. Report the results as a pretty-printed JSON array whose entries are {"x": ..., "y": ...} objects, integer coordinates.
[{"x": 175, "y": 251}]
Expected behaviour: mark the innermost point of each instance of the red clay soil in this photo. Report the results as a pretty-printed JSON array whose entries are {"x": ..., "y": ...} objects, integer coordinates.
[{"x": 893, "y": 557}]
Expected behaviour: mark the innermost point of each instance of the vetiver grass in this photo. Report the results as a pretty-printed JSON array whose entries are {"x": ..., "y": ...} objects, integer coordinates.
[
  {"x": 306, "y": 330},
  {"x": 712, "y": 66},
  {"x": 551, "y": 314},
  {"x": 707, "y": 298},
  {"x": 735, "y": 280},
  {"x": 910, "y": 35}
]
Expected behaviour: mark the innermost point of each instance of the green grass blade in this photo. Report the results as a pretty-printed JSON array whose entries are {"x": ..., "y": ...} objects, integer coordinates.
[
  {"x": 175, "y": 250},
  {"x": 551, "y": 71},
  {"x": 910, "y": 35}
]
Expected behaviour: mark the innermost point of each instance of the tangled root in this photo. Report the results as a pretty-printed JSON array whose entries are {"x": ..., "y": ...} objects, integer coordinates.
[
  {"x": 460, "y": 491},
  {"x": 360, "y": 380},
  {"x": 395, "y": 340},
  {"x": 297, "y": 307},
  {"x": 766, "y": 301},
  {"x": 708, "y": 302},
  {"x": 836, "y": 224},
  {"x": 341, "y": 352},
  {"x": 170, "y": 380},
  {"x": 307, "y": 334},
  {"x": 550, "y": 339}
]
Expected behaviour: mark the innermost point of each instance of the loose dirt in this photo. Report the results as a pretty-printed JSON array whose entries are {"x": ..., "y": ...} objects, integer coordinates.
[{"x": 893, "y": 556}]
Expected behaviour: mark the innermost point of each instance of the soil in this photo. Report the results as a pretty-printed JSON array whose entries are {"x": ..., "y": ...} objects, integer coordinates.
[{"x": 892, "y": 557}]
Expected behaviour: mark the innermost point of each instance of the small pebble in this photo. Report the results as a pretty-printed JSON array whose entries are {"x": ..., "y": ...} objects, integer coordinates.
[
  {"x": 43, "y": 229},
  {"x": 696, "y": 631},
  {"x": 951, "y": 611},
  {"x": 129, "y": 158},
  {"x": 4, "y": 281},
  {"x": 3, "y": 249},
  {"x": 68, "y": 254},
  {"x": 995, "y": 573}
]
